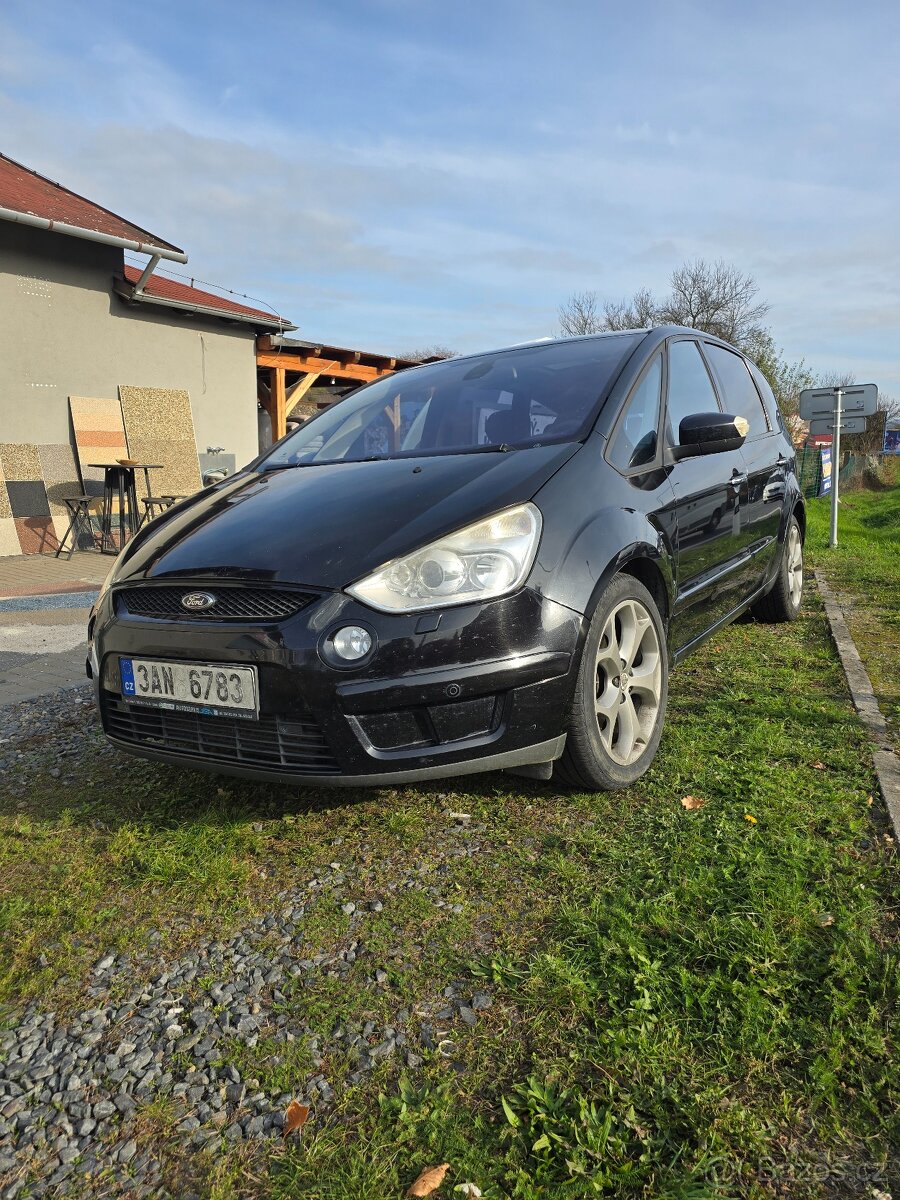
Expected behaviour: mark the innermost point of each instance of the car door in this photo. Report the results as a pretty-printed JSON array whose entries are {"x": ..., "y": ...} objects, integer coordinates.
[
  {"x": 764, "y": 460},
  {"x": 709, "y": 491}
]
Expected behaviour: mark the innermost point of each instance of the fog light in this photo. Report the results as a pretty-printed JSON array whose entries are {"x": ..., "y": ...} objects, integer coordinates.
[{"x": 352, "y": 642}]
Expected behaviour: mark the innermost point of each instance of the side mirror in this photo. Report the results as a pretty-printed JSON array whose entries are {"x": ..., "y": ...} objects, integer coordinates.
[{"x": 710, "y": 433}]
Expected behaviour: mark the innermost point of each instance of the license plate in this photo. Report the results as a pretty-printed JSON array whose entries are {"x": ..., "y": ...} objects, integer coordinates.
[{"x": 212, "y": 689}]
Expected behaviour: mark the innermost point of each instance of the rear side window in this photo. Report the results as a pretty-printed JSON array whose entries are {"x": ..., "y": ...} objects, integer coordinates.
[
  {"x": 690, "y": 388},
  {"x": 771, "y": 404},
  {"x": 635, "y": 439},
  {"x": 739, "y": 391}
]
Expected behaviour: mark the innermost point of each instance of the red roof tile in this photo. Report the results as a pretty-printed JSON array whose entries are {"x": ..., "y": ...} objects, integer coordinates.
[
  {"x": 182, "y": 293},
  {"x": 25, "y": 191}
]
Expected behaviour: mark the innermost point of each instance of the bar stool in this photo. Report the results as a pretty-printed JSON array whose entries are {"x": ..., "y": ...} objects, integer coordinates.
[
  {"x": 79, "y": 523},
  {"x": 152, "y": 503}
]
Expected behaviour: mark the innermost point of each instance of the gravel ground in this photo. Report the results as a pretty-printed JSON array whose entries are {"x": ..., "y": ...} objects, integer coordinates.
[{"x": 72, "y": 1091}]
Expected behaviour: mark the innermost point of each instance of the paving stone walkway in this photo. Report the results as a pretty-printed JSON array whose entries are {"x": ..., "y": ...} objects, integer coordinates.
[{"x": 44, "y": 607}]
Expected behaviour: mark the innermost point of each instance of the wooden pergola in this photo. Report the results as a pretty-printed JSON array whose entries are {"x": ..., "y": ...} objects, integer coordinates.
[{"x": 286, "y": 368}]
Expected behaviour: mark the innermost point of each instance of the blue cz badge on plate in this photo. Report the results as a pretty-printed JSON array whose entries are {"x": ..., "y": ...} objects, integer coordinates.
[{"x": 126, "y": 672}]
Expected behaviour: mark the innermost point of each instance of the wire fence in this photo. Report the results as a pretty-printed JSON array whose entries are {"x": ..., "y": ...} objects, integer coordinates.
[
  {"x": 857, "y": 471},
  {"x": 809, "y": 470}
]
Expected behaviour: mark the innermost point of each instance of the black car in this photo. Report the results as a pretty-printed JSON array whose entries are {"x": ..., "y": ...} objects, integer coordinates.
[{"x": 484, "y": 563}]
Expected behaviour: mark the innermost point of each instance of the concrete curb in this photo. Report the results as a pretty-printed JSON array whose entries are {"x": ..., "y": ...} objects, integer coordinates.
[{"x": 887, "y": 765}]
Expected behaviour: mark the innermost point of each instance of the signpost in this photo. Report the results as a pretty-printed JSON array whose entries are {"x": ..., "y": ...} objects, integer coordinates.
[{"x": 837, "y": 410}]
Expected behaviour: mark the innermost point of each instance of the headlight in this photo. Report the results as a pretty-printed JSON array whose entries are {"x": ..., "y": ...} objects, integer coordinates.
[{"x": 484, "y": 560}]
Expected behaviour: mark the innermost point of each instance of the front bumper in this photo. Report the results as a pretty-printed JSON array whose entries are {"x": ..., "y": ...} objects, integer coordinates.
[{"x": 476, "y": 688}]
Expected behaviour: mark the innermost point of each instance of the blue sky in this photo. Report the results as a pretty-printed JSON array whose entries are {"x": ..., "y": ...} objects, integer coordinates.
[{"x": 395, "y": 173}]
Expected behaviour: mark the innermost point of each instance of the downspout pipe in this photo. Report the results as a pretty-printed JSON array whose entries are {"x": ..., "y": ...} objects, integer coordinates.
[{"x": 93, "y": 235}]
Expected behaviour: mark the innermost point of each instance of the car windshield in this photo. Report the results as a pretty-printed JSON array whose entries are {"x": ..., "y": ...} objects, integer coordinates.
[{"x": 530, "y": 395}]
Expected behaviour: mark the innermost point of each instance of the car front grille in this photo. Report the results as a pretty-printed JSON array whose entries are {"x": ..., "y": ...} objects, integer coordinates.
[
  {"x": 277, "y": 743},
  {"x": 231, "y": 603}
]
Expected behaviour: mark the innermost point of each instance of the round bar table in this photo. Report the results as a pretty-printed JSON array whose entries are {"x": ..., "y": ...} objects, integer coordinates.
[{"x": 118, "y": 483}]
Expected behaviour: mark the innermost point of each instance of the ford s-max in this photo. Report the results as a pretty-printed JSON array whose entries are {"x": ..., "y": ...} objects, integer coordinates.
[{"x": 490, "y": 562}]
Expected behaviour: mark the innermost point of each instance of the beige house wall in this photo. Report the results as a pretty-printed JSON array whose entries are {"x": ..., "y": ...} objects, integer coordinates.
[{"x": 63, "y": 332}]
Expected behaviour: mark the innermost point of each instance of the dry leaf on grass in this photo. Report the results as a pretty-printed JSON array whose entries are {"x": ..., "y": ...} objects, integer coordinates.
[
  {"x": 826, "y": 919},
  {"x": 819, "y": 766},
  {"x": 471, "y": 1191},
  {"x": 429, "y": 1181},
  {"x": 692, "y": 802},
  {"x": 294, "y": 1118}
]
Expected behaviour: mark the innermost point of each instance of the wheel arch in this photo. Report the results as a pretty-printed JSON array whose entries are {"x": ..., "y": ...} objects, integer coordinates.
[
  {"x": 648, "y": 572},
  {"x": 799, "y": 513}
]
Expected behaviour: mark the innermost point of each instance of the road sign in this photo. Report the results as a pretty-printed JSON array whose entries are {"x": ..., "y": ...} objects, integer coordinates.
[
  {"x": 827, "y": 411},
  {"x": 826, "y": 425},
  {"x": 860, "y": 399}
]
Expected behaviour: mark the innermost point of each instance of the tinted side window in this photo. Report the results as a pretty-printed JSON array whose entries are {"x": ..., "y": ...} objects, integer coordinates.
[
  {"x": 775, "y": 418},
  {"x": 636, "y": 436},
  {"x": 690, "y": 388},
  {"x": 740, "y": 394}
]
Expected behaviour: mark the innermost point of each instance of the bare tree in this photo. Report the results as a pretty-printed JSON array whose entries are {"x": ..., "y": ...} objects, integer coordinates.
[
  {"x": 639, "y": 312},
  {"x": 581, "y": 314},
  {"x": 717, "y": 298},
  {"x": 428, "y": 353}
]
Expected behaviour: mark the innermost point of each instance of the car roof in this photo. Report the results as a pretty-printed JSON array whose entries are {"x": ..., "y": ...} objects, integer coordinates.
[{"x": 657, "y": 333}]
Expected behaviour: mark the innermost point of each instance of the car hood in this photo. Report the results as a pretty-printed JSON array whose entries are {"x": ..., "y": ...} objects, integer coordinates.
[{"x": 329, "y": 525}]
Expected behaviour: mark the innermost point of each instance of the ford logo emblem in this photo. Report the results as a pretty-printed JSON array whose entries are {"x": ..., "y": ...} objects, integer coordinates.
[{"x": 197, "y": 601}]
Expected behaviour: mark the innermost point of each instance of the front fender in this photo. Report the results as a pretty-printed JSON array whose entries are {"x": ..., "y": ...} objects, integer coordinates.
[{"x": 595, "y": 522}]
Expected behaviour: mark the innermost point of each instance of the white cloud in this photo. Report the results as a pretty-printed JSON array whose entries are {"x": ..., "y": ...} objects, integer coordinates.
[{"x": 469, "y": 214}]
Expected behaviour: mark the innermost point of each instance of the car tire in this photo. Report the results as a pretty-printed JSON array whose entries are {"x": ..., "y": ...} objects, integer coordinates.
[
  {"x": 616, "y": 719},
  {"x": 783, "y": 602}
]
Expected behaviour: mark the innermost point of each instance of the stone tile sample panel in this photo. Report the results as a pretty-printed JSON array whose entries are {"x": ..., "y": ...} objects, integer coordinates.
[
  {"x": 28, "y": 499},
  {"x": 37, "y": 535},
  {"x": 9, "y": 537},
  {"x": 20, "y": 461},
  {"x": 5, "y": 508},
  {"x": 159, "y": 426},
  {"x": 99, "y": 433},
  {"x": 60, "y": 471}
]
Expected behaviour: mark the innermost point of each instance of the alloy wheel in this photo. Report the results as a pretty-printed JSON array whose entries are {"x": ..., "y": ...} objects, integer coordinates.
[
  {"x": 628, "y": 681},
  {"x": 795, "y": 565}
]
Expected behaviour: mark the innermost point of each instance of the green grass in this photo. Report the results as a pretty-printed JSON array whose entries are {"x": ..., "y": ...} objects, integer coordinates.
[
  {"x": 687, "y": 1004},
  {"x": 864, "y": 569}
]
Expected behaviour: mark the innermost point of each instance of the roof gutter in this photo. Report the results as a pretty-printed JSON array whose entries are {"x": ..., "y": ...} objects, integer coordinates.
[
  {"x": 143, "y": 297},
  {"x": 92, "y": 235}
]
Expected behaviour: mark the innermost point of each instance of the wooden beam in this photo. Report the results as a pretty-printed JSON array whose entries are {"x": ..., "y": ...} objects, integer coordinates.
[
  {"x": 298, "y": 391},
  {"x": 306, "y": 363},
  {"x": 277, "y": 410}
]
